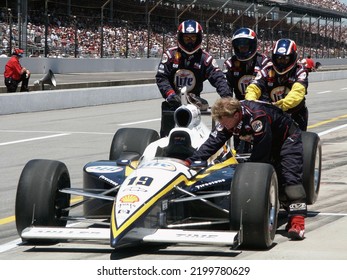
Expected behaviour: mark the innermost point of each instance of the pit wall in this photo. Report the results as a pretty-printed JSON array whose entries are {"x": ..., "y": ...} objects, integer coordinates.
[{"x": 35, "y": 101}]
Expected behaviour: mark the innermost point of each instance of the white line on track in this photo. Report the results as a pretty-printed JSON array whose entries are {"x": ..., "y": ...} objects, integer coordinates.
[
  {"x": 332, "y": 129},
  {"x": 145, "y": 121},
  {"x": 331, "y": 214},
  {"x": 10, "y": 245},
  {"x": 33, "y": 139},
  {"x": 321, "y": 92}
]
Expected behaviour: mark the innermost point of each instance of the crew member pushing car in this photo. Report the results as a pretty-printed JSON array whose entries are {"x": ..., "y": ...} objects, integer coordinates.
[
  {"x": 283, "y": 82},
  {"x": 242, "y": 68},
  {"x": 276, "y": 140},
  {"x": 186, "y": 65}
]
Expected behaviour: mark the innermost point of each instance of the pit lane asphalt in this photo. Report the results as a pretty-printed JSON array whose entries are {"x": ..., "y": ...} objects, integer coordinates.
[{"x": 77, "y": 136}]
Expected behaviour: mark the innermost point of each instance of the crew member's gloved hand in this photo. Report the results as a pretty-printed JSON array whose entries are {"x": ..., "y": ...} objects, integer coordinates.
[
  {"x": 198, "y": 164},
  {"x": 174, "y": 100},
  {"x": 199, "y": 102},
  {"x": 187, "y": 162}
]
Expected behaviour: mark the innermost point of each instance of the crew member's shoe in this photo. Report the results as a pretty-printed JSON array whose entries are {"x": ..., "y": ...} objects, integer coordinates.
[{"x": 296, "y": 227}]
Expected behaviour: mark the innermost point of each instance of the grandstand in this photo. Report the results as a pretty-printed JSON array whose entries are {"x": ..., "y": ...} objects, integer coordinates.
[{"x": 144, "y": 28}]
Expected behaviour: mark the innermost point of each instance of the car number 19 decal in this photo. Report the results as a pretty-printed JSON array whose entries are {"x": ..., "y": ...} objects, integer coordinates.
[{"x": 143, "y": 181}]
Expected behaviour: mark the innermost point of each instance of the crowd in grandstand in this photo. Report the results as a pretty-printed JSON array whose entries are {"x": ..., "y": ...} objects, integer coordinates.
[
  {"x": 127, "y": 39},
  {"x": 326, "y": 4}
]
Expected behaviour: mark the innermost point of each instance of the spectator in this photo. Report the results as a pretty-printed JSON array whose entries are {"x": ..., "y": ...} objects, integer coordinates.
[
  {"x": 309, "y": 64},
  {"x": 15, "y": 73},
  {"x": 3, "y": 53},
  {"x": 302, "y": 60},
  {"x": 35, "y": 54}
]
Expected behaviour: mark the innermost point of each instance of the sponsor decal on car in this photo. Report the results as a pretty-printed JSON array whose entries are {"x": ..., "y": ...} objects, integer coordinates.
[
  {"x": 111, "y": 182},
  {"x": 129, "y": 198},
  {"x": 104, "y": 169},
  {"x": 159, "y": 165},
  {"x": 208, "y": 184}
]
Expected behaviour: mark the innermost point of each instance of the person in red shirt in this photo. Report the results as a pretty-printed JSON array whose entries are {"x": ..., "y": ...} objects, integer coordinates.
[
  {"x": 309, "y": 64},
  {"x": 15, "y": 73}
]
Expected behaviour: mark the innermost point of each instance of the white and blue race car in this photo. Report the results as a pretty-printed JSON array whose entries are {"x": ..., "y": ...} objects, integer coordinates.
[{"x": 145, "y": 192}]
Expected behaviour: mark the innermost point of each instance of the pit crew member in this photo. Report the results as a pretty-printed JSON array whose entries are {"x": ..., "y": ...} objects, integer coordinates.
[
  {"x": 241, "y": 68},
  {"x": 187, "y": 65},
  {"x": 283, "y": 82},
  {"x": 276, "y": 139}
]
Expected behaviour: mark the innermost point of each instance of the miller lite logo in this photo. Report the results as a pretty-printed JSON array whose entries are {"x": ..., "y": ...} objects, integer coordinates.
[
  {"x": 244, "y": 82},
  {"x": 279, "y": 93},
  {"x": 185, "y": 78},
  {"x": 257, "y": 125}
]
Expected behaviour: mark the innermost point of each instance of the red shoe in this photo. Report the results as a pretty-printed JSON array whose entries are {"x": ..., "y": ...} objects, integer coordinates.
[{"x": 296, "y": 228}]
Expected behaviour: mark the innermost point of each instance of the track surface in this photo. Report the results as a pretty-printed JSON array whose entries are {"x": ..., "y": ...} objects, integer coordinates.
[{"x": 77, "y": 136}]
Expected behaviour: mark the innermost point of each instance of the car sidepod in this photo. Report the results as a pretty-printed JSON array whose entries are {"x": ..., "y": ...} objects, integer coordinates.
[{"x": 103, "y": 177}]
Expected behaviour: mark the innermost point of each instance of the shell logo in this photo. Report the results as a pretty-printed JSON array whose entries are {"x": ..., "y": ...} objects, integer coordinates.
[{"x": 130, "y": 198}]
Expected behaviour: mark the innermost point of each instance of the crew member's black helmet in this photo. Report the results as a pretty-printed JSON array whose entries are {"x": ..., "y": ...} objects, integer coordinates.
[
  {"x": 284, "y": 55},
  {"x": 244, "y": 42},
  {"x": 185, "y": 36}
]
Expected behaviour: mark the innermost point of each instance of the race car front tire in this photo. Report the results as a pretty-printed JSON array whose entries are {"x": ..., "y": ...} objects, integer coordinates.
[
  {"x": 38, "y": 200},
  {"x": 254, "y": 204}
]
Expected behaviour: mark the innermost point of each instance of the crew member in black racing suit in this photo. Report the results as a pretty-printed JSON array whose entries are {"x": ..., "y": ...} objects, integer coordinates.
[
  {"x": 242, "y": 68},
  {"x": 276, "y": 139},
  {"x": 186, "y": 65},
  {"x": 283, "y": 82}
]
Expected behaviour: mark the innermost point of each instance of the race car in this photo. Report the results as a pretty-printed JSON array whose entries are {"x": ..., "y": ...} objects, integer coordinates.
[{"x": 146, "y": 193}]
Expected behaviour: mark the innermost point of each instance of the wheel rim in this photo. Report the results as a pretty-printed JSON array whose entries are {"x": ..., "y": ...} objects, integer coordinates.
[
  {"x": 317, "y": 169},
  {"x": 272, "y": 205},
  {"x": 61, "y": 202}
]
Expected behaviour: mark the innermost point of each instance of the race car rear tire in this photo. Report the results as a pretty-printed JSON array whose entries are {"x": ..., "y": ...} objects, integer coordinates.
[
  {"x": 312, "y": 165},
  {"x": 38, "y": 200},
  {"x": 130, "y": 143},
  {"x": 254, "y": 204}
]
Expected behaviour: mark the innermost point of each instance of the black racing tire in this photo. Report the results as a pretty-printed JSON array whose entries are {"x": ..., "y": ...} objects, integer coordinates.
[
  {"x": 130, "y": 143},
  {"x": 38, "y": 200},
  {"x": 254, "y": 204},
  {"x": 312, "y": 166}
]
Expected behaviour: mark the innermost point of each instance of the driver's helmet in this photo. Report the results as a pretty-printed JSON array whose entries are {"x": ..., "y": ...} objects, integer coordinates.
[
  {"x": 189, "y": 36},
  {"x": 284, "y": 55},
  {"x": 244, "y": 42}
]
